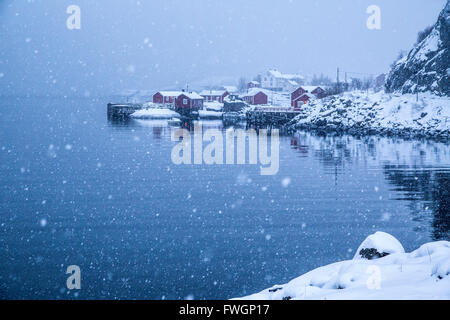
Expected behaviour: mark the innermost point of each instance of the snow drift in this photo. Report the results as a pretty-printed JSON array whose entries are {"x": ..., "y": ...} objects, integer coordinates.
[
  {"x": 393, "y": 274},
  {"x": 154, "y": 113}
]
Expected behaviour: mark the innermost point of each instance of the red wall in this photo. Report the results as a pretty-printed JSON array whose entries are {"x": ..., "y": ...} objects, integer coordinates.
[
  {"x": 319, "y": 92},
  {"x": 215, "y": 98},
  {"x": 297, "y": 93},
  {"x": 193, "y": 104},
  {"x": 260, "y": 98},
  {"x": 300, "y": 101},
  {"x": 157, "y": 98}
]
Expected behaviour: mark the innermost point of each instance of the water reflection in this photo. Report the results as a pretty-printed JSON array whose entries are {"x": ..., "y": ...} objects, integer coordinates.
[
  {"x": 419, "y": 174},
  {"x": 427, "y": 190},
  {"x": 115, "y": 204},
  {"x": 418, "y": 171}
]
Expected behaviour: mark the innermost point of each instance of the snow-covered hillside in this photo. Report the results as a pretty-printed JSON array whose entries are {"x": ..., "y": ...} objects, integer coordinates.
[
  {"x": 380, "y": 270},
  {"x": 359, "y": 112},
  {"x": 427, "y": 65}
]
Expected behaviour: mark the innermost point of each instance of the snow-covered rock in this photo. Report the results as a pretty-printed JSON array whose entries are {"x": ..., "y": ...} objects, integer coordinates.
[
  {"x": 213, "y": 106},
  {"x": 378, "y": 245},
  {"x": 154, "y": 113},
  {"x": 427, "y": 65},
  {"x": 421, "y": 274}
]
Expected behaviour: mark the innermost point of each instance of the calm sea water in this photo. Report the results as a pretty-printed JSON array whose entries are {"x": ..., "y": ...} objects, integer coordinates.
[{"x": 77, "y": 189}]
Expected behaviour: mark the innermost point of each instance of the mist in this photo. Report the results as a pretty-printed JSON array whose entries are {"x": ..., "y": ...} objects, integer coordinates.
[{"x": 151, "y": 45}]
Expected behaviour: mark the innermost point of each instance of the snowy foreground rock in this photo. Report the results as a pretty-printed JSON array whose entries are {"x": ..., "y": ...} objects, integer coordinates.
[
  {"x": 378, "y": 113},
  {"x": 387, "y": 273}
]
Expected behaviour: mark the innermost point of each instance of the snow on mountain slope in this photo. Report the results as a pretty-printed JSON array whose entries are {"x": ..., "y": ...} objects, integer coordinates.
[
  {"x": 421, "y": 274},
  {"x": 427, "y": 65}
]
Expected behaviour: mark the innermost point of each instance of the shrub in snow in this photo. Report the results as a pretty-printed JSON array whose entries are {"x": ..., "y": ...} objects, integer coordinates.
[{"x": 378, "y": 245}]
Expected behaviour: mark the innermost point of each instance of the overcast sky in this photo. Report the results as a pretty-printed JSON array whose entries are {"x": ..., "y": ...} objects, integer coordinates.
[{"x": 161, "y": 44}]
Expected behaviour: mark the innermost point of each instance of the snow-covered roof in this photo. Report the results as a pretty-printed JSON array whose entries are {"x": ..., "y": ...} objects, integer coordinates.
[
  {"x": 254, "y": 91},
  {"x": 170, "y": 93},
  {"x": 277, "y": 74},
  {"x": 311, "y": 88},
  {"x": 212, "y": 92},
  {"x": 303, "y": 95},
  {"x": 254, "y": 82},
  {"x": 192, "y": 95}
]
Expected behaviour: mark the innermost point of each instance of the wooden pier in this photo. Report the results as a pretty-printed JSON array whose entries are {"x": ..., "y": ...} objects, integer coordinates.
[
  {"x": 122, "y": 110},
  {"x": 270, "y": 116}
]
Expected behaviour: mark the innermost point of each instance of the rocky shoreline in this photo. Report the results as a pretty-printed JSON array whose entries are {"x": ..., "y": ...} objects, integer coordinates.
[{"x": 362, "y": 113}]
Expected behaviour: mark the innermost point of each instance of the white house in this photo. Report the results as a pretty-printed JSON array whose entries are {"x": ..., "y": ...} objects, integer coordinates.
[{"x": 277, "y": 81}]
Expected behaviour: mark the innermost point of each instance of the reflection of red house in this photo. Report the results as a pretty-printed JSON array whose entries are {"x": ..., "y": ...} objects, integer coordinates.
[
  {"x": 297, "y": 145},
  {"x": 300, "y": 101},
  {"x": 255, "y": 97},
  {"x": 188, "y": 101}
]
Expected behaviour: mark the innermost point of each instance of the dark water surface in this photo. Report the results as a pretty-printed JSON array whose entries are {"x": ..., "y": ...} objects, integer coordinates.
[{"x": 77, "y": 189}]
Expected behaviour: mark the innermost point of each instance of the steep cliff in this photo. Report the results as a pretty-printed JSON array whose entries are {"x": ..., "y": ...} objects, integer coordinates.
[{"x": 427, "y": 65}]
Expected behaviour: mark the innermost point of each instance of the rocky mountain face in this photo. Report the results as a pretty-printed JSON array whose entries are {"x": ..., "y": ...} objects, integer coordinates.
[{"x": 427, "y": 65}]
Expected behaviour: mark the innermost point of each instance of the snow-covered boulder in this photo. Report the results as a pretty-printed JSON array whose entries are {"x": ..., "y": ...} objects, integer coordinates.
[
  {"x": 378, "y": 245},
  {"x": 421, "y": 274},
  {"x": 213, "y": 106}
]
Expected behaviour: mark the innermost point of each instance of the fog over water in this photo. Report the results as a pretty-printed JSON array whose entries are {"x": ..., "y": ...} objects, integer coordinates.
[{"x": 149, "y": 45}]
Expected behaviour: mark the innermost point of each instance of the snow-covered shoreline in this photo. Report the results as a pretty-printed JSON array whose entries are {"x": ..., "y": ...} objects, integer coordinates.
[
  {"x": 359, "y": 112},
  {"x": 380, "y": 270},
  {"x": 155, "y": 113}
]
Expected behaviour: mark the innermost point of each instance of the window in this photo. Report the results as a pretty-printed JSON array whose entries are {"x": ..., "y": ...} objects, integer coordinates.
[{"x": 185, "y": 101}]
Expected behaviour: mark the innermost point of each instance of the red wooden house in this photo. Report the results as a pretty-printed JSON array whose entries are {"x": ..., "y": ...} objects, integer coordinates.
[
  {"x": 311, "y": 91},
  {"x": 166, "y": 97},
  {"x": 255, "y": 97},
  {"x": 187, "y": 102},
  {"x": 296, "y": 94},
  {"x": 318, "y": 92},
  {"x": 300, "y": 101},
  {"x": 214, "y": 95}
]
